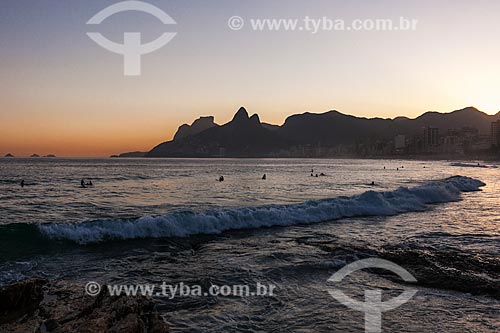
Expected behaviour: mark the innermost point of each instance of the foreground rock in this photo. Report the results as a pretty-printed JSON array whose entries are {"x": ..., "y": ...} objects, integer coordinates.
[
  {"x": 40, "y": 306},
  {"x": 477, "y": 274}
]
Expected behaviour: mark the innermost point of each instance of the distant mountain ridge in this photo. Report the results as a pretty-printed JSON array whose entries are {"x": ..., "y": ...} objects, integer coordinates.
[
  {"x": 246, "y": 136},
  {"x": 334, "y": 127},
  {"x": 199, "y": 125}
]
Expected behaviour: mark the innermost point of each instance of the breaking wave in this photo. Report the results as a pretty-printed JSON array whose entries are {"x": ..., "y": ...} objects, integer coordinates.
[
  {"x": 473, "y": 165},
  {"x": 188, "y": 223}
]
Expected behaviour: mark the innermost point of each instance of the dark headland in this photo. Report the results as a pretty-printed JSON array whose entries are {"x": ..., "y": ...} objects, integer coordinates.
[{"x": 465, "y": 133}]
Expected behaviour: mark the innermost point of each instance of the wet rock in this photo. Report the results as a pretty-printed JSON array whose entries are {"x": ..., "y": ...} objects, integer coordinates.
[
  {"x": 63, "y": 307},
  {"x": 477, "y": 274},
  {"x": 20, "y": 299}
]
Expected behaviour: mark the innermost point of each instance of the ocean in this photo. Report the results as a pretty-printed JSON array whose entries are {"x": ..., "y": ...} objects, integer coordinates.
[{"x": 148, "y": 221}]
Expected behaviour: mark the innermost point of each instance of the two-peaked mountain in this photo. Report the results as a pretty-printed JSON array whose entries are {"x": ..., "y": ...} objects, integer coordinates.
[{"x": 243, "y": 136}]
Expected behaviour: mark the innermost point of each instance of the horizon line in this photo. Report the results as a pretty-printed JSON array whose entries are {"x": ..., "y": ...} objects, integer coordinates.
[{"x": 110, "y": 155}]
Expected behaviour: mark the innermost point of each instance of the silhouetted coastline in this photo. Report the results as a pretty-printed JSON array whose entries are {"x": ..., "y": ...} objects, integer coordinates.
[{"x": 460, "y": 135}]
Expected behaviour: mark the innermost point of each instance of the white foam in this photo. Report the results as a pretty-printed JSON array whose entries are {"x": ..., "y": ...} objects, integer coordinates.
[
  {"x": 472, "y": 165},
  {"x": 187, "y": 223}
]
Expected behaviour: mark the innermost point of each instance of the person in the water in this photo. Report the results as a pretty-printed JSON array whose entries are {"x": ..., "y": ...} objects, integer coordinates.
[
  {"x": 82, "y": 184},
  {"x": 22, "y": 183},
  {"x": 221, "y": 179},
  {"x": 264, "y": 177}
]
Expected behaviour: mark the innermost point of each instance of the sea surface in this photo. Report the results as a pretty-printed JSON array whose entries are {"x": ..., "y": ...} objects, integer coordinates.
[{"x": 170, "y": 220}]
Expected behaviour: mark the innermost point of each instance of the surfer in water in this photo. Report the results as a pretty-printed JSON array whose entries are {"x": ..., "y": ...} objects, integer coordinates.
[
  {"x": 82, "y": 184},
  {"x": 221, "y": 179},
  {"x": 264, "y": 177},
  {"x": 22, "y": 183}
]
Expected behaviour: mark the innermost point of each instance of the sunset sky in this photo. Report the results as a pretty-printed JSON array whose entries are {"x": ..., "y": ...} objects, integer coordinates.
[{"x": 61, "y": 93}]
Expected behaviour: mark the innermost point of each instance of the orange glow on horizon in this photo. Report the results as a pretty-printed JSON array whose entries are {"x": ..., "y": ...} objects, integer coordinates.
[
  {"x": 98, "y": 139},
  {"x": 62, "y": 94}
]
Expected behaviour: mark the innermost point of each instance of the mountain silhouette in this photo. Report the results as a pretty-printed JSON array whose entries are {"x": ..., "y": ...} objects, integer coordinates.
[
  {"x": 333, "y": 127},
  {"x": 243, "y": 136},
  {"x": 199, "y": 125},
  {"x": 246, "y": 136},
  {"x": 467, "y": 117}
]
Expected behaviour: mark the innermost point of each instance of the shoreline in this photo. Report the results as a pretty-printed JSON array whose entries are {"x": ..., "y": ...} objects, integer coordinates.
[{"x": 422, "y": 158}]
